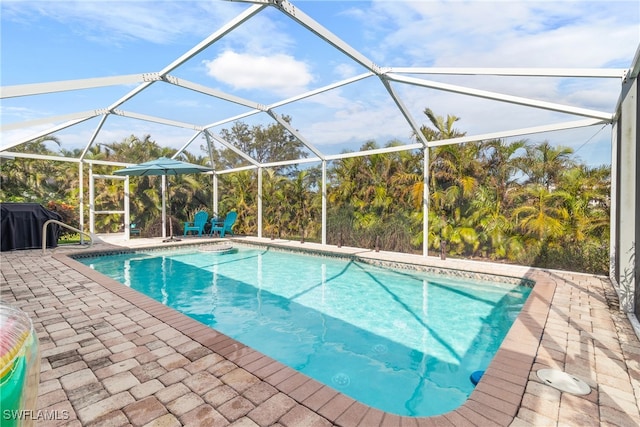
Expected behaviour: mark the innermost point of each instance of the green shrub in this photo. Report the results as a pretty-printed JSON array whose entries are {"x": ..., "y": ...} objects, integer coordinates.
[{"x": 68, "y": 213}]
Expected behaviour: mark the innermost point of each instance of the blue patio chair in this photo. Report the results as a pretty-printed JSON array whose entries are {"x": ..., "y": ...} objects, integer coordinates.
[
  {"x": 133, "y": 229},
  {"x": 199, "y": 221},
  {"x": 224, "y": 227}
]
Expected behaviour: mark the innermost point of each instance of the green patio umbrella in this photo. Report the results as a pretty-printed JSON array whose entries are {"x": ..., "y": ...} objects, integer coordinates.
[{"x": 164, "y": 166}]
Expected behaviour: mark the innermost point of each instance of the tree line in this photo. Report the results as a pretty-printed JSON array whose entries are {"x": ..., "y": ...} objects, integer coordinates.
[{"x": 524, "y": 202}]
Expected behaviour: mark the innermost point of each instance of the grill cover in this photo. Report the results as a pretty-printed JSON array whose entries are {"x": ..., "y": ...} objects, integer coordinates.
[{"x": 21, "y": 226}]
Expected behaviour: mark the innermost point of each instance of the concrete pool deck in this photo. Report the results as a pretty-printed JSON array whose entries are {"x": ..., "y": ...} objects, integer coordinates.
[{"x": 114, "y": 357}]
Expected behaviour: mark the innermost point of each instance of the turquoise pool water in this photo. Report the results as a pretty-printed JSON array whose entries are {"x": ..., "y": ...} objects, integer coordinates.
[{"x": 402, "y": 341}]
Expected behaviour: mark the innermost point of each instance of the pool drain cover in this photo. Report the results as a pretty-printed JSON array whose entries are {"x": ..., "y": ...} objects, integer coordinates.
[
  {"x": 563, "y": 381},
  {"x": 380, "y": 348},
  {"x": 341, "y": 379}
]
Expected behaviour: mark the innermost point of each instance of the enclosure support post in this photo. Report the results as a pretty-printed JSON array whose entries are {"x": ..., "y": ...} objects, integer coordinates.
[
  {"x": 92, "y": 207},
  {"x": 259, "y": 202},
  {"x": 215, "y": 194},
  {"x": 425, "y": 202},
  {"x": 324, "y": 202},
  {"x": 164, "y": 206},
  {"x": 81, "y": 200},
  {"x": 614, "y": 228},
  {"x": 127, "y": 210},
  {"x": 625, "y": 228}
]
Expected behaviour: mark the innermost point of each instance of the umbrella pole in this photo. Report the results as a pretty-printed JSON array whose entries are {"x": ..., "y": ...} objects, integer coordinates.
[{"x": 171, "y": 238}]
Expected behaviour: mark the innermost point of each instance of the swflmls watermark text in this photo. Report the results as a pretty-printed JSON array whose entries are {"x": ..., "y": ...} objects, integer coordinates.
[{"x": 39, "y": 415}]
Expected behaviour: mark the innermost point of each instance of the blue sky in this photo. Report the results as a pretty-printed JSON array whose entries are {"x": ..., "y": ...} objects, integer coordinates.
[{"x": 271, "y": 58}]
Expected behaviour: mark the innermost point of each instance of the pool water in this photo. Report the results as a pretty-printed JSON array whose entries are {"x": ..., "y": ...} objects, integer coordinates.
[{"x": 402, "y": 341}]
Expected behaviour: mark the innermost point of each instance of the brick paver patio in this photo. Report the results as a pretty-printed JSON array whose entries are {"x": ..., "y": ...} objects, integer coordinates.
[{"x": 113, "y": 357}]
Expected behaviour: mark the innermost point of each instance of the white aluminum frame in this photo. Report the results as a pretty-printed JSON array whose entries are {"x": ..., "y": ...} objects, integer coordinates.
[
  {"x": 92, "y": 208},
  {"x": 388, "y": 76}
]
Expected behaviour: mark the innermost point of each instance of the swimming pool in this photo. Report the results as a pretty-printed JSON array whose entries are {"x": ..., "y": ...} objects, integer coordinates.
[{"x": 402, "y": 341}]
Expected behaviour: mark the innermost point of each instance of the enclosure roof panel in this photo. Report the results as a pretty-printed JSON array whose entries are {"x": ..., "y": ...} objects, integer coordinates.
[{"x": 344, "y": 72}]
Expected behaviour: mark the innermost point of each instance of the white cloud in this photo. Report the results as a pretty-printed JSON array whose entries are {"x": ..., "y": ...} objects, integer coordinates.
[
  {"x": 560, "y": 34},
  {"x": 264, "y": 55},
  {"x": 165, "y": 136},
  {"x": 357, "y": 122},
  {"x": 332, "y": 99},
  {"x": 112, "y": 22},
  {"x": 12, "y": 138},
  {"x": 11, "y": 114},
  {"x": 505, "y": 34},
  {"x": 279, "y": 73},
  {"x": 345, "y": 70}
]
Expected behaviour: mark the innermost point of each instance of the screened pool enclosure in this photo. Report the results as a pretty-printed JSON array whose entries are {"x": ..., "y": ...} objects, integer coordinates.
[{"x": 510, "y": 102}]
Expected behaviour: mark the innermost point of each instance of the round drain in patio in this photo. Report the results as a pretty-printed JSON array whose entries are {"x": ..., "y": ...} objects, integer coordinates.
[{"x": 563, "y": 381}]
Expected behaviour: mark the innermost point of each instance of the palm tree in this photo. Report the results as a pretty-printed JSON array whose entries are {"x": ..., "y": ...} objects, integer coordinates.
[
  {"x": 239, "y": 190},
  {"x": 588, "y": 202},
  {"x": 343, "y": 191},
  {"x": 544, "y": 163},
  {"x": 299, "y": 197},
  {"x": 540, "y": 214},
  {"x": 495, "y": 231},
  {"x": 501, "y": 163},
  {"x": 31, "y": 180},
  {"x": 447, "y": 179},
  {"x": 274, "y": 203},
  {"x": 442, "y": 128},
  {"x": 490, "y": 199}
]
